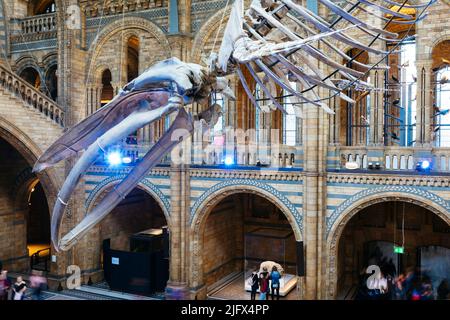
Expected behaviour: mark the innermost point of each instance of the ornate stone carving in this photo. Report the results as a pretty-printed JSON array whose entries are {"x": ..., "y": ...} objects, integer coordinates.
[{"x": 390, "y": 179}]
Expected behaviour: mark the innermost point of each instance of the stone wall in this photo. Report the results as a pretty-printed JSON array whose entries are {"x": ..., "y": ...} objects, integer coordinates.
[
  {"x": 13, "y": 233},
  {"x": 222, "y": 239}
]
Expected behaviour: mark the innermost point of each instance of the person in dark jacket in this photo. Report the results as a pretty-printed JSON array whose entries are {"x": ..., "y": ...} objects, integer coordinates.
[
  {"x": 443, "y": 290},
  {"x": 254, "y": 285},
  {"x": 19, "y": 289}
]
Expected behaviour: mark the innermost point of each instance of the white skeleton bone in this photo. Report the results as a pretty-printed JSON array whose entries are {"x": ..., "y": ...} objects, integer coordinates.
[{"x": 280, "y": 54}]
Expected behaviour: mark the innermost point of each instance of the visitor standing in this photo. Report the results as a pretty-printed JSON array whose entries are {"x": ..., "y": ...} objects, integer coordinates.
[
  {"x": 19, "y": 289},
  {"x": 263, "y": 285},
  {"x": 275, "y": 276},
  {"x": 254, "y": 285}
]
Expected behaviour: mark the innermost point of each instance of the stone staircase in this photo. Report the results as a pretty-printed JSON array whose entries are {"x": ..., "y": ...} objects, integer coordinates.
[
  {"x": 27, "y": 113},
  {"x": 31, "y": 97}
]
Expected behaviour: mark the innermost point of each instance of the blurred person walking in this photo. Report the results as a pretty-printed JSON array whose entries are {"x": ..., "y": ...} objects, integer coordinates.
[
  {"x": 37, "y": 283},
  {"x": 4, "y": 285}
]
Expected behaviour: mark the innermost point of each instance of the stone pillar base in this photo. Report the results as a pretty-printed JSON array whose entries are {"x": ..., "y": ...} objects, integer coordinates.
[
  {"x": 199, "y": 293},
  {"x": 177, "y": 291}
]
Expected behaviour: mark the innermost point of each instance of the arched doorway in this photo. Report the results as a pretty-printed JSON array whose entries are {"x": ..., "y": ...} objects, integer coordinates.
[
  {"x": 51, "y": 82},
  {"x": 38, "y": 228},
  {"x": 31, "y": 76},
  {"x": 132, "y": 58},
  {"x": 237, "y": 233},
  {"x": 135, "y": 231},
  {"x": 107, "y": 88},
  {"x": 25, "y": 212},
  {"x": 41, "y": 7},
  {"x": 401, "y": 238}
]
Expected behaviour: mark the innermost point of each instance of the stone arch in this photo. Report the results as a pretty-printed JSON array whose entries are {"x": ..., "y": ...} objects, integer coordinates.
[
  {"x": 203, "y": 206},
  {"x": 443, "y": 36},
  {"x": 337, "y": 222},
  {"x": 144, "y": 185},
  {"x": 26, "y": 61},
  {"x": 125, "y": 25},
  {"x": 208, "y": 30},
  {"x": 31, "y": 152},
  {"x": 96, "y": 77},
  {"x": 22, "y": 188},
  {"x": 49, "y": 60}
]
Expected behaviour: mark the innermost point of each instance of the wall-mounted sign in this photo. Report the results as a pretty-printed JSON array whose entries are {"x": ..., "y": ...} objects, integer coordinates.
[{"x": 115, "y": 261}]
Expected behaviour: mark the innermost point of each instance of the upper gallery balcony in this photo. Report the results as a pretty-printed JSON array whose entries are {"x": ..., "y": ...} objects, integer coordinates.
[
  {"x": 210, "y": 155},
  {"x": 35, "y": 28},
  {"x": 390, "y": 159},
  {"x": 39, "y": 24}
]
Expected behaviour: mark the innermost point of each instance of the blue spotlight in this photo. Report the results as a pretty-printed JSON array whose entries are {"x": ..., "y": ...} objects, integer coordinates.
[
  {"x": 126, "y": 160},
  {"x": 424, "y": 166},
  {"x": 114, "y": 158},
  {"x": 229, "y": 161}
]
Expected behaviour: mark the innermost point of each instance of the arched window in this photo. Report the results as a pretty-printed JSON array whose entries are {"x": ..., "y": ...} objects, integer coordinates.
[
  {"x": 354, "y": 118},
  {"x": 107, "y": 89},
  {"x": 31, "y": 76},
  {"x": 51, "y": 82},
  {"x": 132, "y": 58},
  {"x": 405, "y": 111},
  {"x": 42, "y": 7},
  {"x": 442, "y": 107},
  {"x": 289, "y": 120},
  {"x": 50, "y": 8}
]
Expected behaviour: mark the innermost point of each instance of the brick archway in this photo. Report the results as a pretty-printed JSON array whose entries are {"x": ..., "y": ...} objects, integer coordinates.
[
  {"x": 30, "y": 152},
  {"x": 144, "y": 185},
  {"x": 208, "y": 30},
  {"x": 358, "y": 203},
  {"x": 127, "y": 24},
  {"x": 203, "y": 207}
]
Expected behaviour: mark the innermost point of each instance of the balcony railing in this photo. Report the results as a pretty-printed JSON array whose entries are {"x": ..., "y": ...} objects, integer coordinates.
[
  {"x": 395, "y": 158},
  {"x": 39, "y": 24},
  {"x": 31, "y": 96},
  {"x": 280, "y": 156}
]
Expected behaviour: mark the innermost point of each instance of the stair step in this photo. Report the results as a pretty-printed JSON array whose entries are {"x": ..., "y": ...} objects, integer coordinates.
[{"x": 113, "y": 294}]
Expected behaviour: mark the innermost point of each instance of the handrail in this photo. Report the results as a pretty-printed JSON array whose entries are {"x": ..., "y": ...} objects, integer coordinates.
[
  {"x": 31, "y": 96},
  {"x": 396, "y": 158},
  {"x": 36, "y": 258},
  {"x": 39, "y": 23}
]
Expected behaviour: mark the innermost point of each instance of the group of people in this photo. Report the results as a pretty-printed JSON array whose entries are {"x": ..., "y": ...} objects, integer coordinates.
[
  {"x": 17, "y": 290},
  {"x": 411, "y": 285},
  {"x": 268, "y": 283}
]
